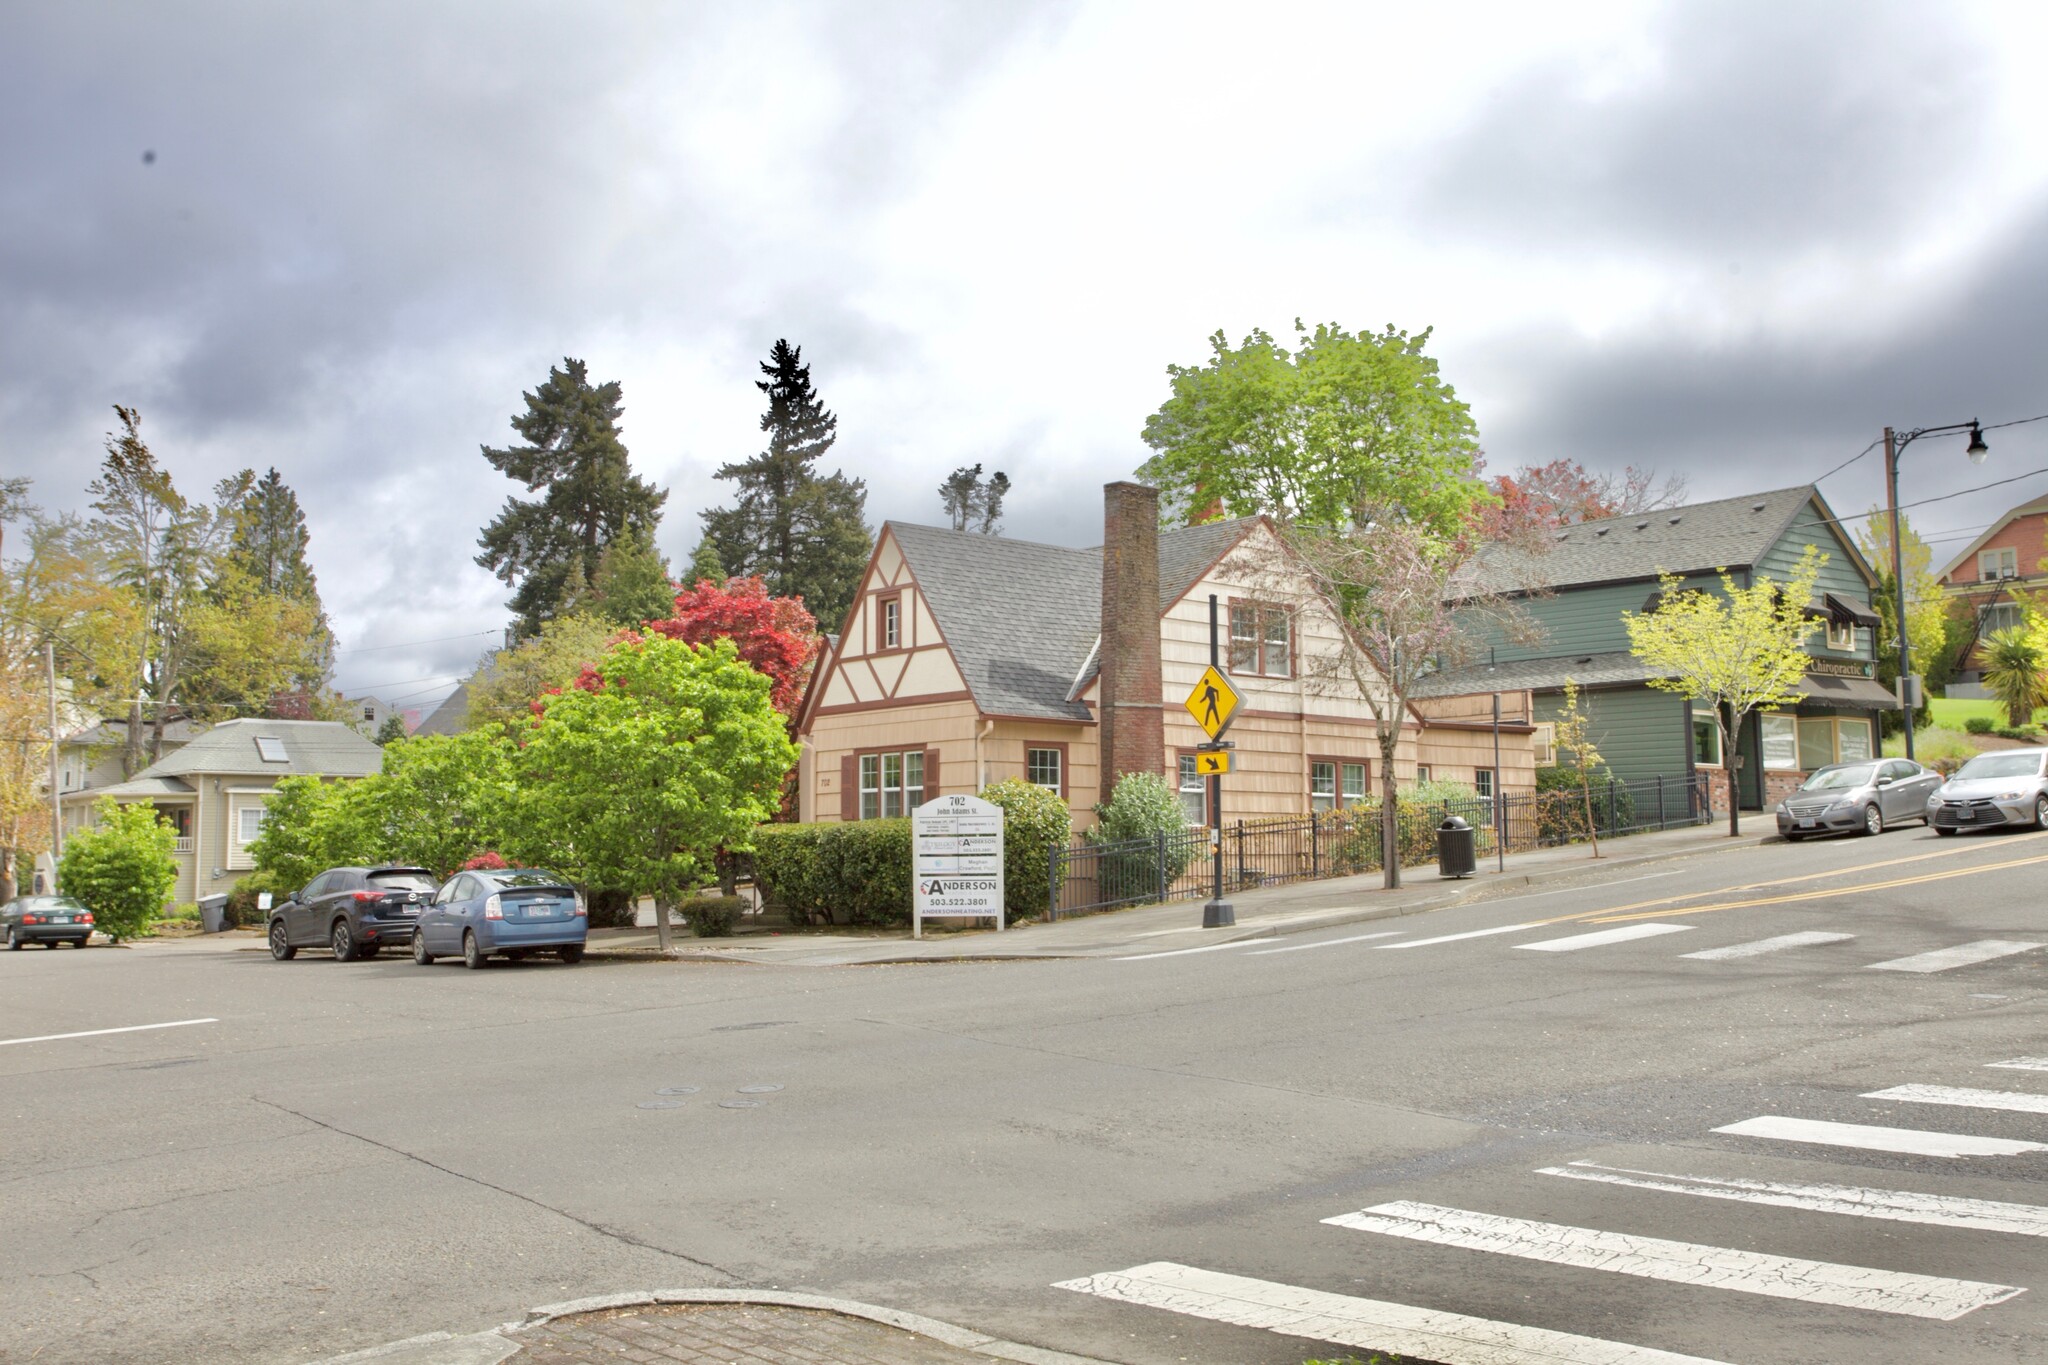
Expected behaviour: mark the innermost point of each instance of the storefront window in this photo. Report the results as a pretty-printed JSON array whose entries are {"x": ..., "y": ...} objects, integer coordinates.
[
  {"x": 1816, "y": 743},
  {"x": 1781, "y": 741},
  {"x": 1855, "y": 740}
]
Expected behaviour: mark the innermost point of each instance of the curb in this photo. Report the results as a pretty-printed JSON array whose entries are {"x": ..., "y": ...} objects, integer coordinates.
[{"x": 494, "y": 1346}]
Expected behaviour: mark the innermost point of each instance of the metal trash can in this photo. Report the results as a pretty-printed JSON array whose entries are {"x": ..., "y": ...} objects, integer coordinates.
[
  {"x": 213, "y": 914},
  {"x": 1457, "y": 848}
]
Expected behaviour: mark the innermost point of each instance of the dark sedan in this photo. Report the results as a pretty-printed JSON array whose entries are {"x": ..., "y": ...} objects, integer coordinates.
[
  {"x": 48, "y": 920},
  {"x": 353, "y": 910}
]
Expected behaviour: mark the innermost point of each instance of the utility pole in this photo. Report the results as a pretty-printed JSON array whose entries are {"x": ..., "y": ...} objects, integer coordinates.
[{"x": 56, "y": 802}]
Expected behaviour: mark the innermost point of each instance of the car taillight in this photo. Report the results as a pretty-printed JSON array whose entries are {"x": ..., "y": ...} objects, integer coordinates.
[
  {"x": 85, "y": 918},
  {"x": 31, "y": 919},
  {"x": 362, "y": 896},
  {"x": 582, "y": 910},
  {"x": 494, "y": 908}
]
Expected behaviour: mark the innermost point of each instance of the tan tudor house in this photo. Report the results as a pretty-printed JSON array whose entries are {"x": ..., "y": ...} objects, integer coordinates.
[
  {"x": 970, "y": 658},
  {"x": 212, "y": 789}
]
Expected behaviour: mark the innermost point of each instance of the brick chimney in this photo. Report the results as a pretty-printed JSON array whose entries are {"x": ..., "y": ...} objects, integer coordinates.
[{"x": 1132, "y": 721}]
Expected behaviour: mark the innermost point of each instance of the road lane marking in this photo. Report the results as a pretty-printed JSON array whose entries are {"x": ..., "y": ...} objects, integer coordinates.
[
  {"x": 1369, "y": 1324},
  {"x": 1469, "y": 933},
  {"x": 1601, "y": 938},
  {"x": 1912, "y": 1141},
  {"x": 1327, "y": 943},
  {"x": 2022, "y": 1064},
  {"x": 1964, "y": 1097},
  {"x": 1183, "y": 952},
  {"x": 1809, "y": 939},
  {"x": 98, "y": 1032},
  {"x": 1896, "y": 1206},
  {"x": 1962, "y": 955},
  {"x": 1612, "y": 916},
  {"x": 1655, "y": 1258}
]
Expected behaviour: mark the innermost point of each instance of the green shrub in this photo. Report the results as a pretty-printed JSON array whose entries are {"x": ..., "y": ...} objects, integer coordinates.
[
  {"x": 714, "y": 916},
  {"x": 1561, "y": 805},
  {"x": 1143, "y": 807},
  {"x": 2025, "y": 733},
  {"x": 123, "y": 868},
  {"x": 1034, "y": 822},
  {"x": 790, "y": 871},
  {"x": 851, "y": 873},
  {"x": 1979, "y": 725},
  {"x": 240, "y": 912}
]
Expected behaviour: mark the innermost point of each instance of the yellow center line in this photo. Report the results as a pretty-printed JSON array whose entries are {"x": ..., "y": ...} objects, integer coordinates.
[
  {"x": 1821, "y": 892},
  {"x": 1593, "y": 916}
]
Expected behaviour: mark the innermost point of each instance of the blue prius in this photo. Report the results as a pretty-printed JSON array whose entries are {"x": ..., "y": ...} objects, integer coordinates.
[{"x": 515, "y": 913}]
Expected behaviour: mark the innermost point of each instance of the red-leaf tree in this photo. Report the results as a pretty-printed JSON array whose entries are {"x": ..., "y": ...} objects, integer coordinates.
[
  {"x": 775, "y": 635},
  {"x": 1562, "y": 493}
]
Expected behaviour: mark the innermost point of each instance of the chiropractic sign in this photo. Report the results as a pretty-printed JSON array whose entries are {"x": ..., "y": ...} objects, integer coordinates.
[{"x": 956, "y": 861}]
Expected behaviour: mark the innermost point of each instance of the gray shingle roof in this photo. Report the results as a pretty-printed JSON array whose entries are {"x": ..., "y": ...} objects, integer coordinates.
[
  {"x": 1731, "y": 533},
  {"x": 1022, "y": 617},
  {"x": 1586, "y": 670},
  {"x": 311, "y": 746}
]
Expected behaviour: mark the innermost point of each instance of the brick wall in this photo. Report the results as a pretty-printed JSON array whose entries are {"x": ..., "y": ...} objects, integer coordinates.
[
  {"x": 1132, "y": 716},
  {"x": 1779, "y": 783}
]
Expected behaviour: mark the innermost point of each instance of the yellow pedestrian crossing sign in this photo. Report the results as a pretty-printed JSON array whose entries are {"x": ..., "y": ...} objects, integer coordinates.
[
  {"x": 1212, "y": 703},
  {"x": 1212, "y": 762}
]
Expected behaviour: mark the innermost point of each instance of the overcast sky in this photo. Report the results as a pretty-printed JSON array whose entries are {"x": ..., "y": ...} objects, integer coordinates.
[{"x": 1733, "y": 241}]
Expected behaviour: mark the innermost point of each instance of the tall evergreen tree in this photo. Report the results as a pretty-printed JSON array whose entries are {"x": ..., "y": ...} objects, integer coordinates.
[
  {"x": 550, "y": 546},
  {"x": 802, "y": 533},
  {"x": 269, "y": 540},
  {"x": 631, "y": 585},
  {"x": 704, "y": 567},
  {"x": 974, "y": 503}
]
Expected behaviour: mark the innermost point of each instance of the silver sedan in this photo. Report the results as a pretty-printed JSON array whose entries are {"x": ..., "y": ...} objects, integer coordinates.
[
  {"x": 1864, "y": 797},
  {"x": 2007, "y": 787}
]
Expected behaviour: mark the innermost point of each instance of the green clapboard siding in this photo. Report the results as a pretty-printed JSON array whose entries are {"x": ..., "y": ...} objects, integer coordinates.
[
  {"x": 1581, "y": 620},
  {"x": 1639, "y": 731},
  {"x": 1838, "y": 576}
]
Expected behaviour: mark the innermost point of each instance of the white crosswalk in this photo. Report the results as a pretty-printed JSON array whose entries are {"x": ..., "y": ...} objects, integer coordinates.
[
  {"x": 1458, "y": 1339},
  {"x": 1603, "y": 938},
  {"x": 1962, "y": 955},
  {"x": 1812, "y": 938}
]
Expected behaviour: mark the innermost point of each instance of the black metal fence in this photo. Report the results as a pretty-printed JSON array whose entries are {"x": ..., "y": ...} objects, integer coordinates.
[{"x": 1340, "y": 843}]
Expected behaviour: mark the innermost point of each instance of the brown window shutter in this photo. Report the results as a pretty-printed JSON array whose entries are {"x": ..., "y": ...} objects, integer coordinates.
[
  {"x": 849, "y": 787},
  {"x": 931, "y": 773}
]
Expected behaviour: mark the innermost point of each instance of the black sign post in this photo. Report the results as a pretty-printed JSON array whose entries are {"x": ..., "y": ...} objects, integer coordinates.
[{"x": 1217, "y": 913}]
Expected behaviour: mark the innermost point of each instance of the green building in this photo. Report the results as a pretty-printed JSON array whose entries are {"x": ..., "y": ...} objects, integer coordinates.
[{"x": 1578, "y": 588}]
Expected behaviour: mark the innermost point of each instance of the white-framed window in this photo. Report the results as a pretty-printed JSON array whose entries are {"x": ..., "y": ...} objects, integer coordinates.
[
  {"x": 1322, "y": 787},
  {"x": 1781, "y": 741},
  {"x": 1993, "y": 565},
  {"x": 892, "y": 622},
  {"x": 249, "y": 822},
  {"x": 1829, "y": 739},
  {"x": 1194, "y": 792},
  {"x": 1997, "y": 616},
  {"x": 1842, "y": 635},
  {"x": 1482, "y": 783},
  {"x": 1042, "y": 768},
  {"x": 1852, "y": 741},
  {"x": 1422, "y": 772},
  {"x": 1261, "y": 640},
  {"x": 891, "y": 784},
  {"x": 1706, "y": 742},
  {"x": 1351, "y": 783},
  {"x": 369, "y": 713}
]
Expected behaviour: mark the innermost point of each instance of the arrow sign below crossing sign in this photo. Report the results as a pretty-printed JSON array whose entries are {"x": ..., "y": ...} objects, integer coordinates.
[{"x": 1212, "y": 702}]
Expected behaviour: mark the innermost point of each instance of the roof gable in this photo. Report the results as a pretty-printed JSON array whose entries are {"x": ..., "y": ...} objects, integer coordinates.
[
  {"x": 2037, "y": 507},
  {"x": 326, "y": 747}
]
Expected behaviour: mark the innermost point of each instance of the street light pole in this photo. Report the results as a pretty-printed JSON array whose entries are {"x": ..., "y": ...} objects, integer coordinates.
[{"x": 1895, "y": 446}]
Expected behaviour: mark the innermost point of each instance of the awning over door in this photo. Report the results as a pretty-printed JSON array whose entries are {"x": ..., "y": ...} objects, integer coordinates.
[{"x": 1857, "y": 694}]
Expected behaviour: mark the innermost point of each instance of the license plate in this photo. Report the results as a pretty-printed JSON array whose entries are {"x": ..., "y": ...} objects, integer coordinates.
[
  {"x": 1966, "y": 814},
  {"x": 1802, "y": 824},
  {"x": 540, "y": 912},
  {"x": 60, "y": 919}
]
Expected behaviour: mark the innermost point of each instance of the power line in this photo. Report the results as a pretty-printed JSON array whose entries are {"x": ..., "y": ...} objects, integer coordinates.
[{"x": 406, "y": 644}]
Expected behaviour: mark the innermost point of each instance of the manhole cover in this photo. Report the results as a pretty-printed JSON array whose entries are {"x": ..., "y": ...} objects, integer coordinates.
[
  {"x": 679, "y": 1090},
  {"x": 659, "y": 1104},
  {"x": 739, "y": 1104},
  {"x": 759, "y": 1089}
]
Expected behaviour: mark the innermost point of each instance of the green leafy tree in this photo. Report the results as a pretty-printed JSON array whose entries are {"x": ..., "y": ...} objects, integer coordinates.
[
  {"x": 504, "y": 690},
  {"x": 2016, "y": 670},
  {"x": 441, "y": 799},
  {"x": 312, "y": 825},
  {"x": 576, "y": 459},
  {"x": 975, "y": 503},
  {"x": 246, "y": 650},
  {"x": 631, "y": 585},
  {"x": 1737, "y": 649},
  {"x": 123, "y": 868},
  {"x": 802, "y": 533},
  {"x": 635, "y": 779},
  {"x": 1343, "y": 428},
  {"x": 1573, "y": 736},
  {"x": 392, "y": 731},
  {"x": 1926, "y": 609}
]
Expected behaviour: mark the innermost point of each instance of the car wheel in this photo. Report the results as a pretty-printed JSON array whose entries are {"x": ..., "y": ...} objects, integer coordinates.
[
  {"x": 280, "y": 946},
  {"x": 344, "y": 942},
  {"x": 2041, "y": 812},
  {"x": 572, "y": 954},
  {"x": 78, "y": 943},
  {"x": 1794, "y": 838},
  {"x": 1873, "y": 819},
  {"x": 13, "y": 940},
  {"x": 419, "y": 949},
  {"x": 473, "y": 955},
  {"x": 369, "y": 950},
  {"x": 1942, "y": 830}
]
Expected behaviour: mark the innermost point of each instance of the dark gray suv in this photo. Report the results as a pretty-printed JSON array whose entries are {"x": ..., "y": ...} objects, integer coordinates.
[{"x": 353, "y": 910}]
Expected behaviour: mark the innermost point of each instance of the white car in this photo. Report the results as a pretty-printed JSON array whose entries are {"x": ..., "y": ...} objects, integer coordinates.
[{"x": 2006, "y": 787}]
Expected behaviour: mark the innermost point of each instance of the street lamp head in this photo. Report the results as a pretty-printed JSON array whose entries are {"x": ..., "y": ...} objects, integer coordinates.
[{"x": 1977, "y": 451}]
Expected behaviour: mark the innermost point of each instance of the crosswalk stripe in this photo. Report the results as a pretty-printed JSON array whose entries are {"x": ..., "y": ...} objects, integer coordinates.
[
  {"x": 1601, "y": 938},
  {"x": 1896, "y": 1206},
  {"x": 1913, "y": 1141},
  {"x": 1812, "y": 938},
  {"x": 1327, "y": 943},
  {"x": 1183, "y": 952},
  {"x": 2023, "y": 1064},
  {"x": 1469, "y": 933},
  {"x": 1369, "y": 1324},
  {"x": 1962, "y": 955},
  {"x": 1655, "y": 1258},
  {"x": 1965, "y": 1097}
]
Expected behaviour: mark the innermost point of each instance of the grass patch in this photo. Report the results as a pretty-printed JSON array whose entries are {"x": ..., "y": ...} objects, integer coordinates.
[{"x": 1950, "y": 712}]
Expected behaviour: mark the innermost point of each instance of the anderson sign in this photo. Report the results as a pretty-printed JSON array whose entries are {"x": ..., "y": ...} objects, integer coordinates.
[{"x": 956, "y": 861}]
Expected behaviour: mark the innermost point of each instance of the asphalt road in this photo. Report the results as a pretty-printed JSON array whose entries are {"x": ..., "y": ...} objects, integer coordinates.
[{"x": 1518, "y": 1133}]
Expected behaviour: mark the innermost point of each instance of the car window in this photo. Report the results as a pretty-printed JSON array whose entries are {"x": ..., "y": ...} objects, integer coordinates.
[
  {"x": 402, "y": 880},
  {"x": 317, "y": 887},
  {"x": 446, "y": 893},
  {"x": 2000, "y": 765},
  {"x": 526, "y": 877},
  {"x": 1844, "y": 778}
]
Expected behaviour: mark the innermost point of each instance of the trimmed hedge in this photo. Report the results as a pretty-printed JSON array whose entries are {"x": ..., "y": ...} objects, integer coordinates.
[
  {"x": 1034, "y": 820},
  {"x": 856, "y": 872}
]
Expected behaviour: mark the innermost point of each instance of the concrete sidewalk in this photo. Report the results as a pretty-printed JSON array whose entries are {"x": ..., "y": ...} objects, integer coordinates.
[{"x": 1178, "y": 924}]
